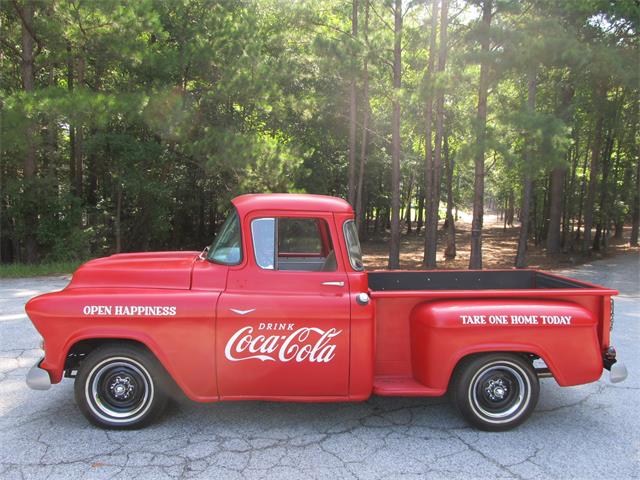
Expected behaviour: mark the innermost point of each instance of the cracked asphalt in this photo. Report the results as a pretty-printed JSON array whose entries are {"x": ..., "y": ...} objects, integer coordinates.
[{"x": 588, "y": 431}]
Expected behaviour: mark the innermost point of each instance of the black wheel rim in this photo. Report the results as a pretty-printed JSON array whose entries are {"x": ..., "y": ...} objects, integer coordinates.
[
  {"x": 500, "y": 392},
  {"x": 119, "y": 390}
]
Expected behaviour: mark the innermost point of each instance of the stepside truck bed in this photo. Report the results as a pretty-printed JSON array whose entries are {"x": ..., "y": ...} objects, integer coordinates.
[{"x": 398, "y": 293}]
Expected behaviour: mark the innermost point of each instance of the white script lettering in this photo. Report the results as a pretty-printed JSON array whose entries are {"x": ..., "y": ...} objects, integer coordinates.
[{"x": 308, "y": 343}]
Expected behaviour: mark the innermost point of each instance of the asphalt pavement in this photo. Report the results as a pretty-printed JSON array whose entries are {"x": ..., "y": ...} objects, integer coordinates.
[{"x": 590, "y": 431}]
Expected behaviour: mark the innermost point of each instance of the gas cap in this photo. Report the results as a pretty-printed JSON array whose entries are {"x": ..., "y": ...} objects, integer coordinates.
[{"x": 362, "y": 298}]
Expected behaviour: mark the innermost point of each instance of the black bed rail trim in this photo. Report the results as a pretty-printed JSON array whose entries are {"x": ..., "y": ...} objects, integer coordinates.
[{"x": 468, "y": 280}]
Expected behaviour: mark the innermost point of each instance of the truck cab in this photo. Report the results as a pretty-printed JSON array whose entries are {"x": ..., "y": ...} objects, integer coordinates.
[{"x": 290, "y": 307}]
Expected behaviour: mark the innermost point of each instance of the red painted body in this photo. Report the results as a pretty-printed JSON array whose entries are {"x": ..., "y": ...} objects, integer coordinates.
[{"x": 241, "y": 332}]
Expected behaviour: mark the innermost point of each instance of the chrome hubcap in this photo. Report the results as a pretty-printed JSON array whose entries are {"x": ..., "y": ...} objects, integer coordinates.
[
  {"x": 122, "y": 388},
  {"x": 497, "y": 390}
]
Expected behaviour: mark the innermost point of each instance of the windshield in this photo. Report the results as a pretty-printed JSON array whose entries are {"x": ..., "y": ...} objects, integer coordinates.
[
  {"x": 227, "y": 247},
  {"x": 353, "y": 245}
]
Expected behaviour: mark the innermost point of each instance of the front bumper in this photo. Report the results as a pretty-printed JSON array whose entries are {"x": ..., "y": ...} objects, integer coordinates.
[{"x": 38, "y": 378}]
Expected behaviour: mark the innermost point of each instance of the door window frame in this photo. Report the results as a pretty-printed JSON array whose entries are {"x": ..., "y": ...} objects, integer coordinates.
[{"x": 332, "y": 236}]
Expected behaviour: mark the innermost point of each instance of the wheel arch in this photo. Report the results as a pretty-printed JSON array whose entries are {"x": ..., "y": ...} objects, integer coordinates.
[
  {"x": 82, "y": 345},
  {"x": 77, "y": 351},
  {"x": 529, "y": 352}
]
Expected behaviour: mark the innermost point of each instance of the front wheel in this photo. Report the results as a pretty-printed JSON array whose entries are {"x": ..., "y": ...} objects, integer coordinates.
[
  {"x": 117, "y": 387},
  {"x": 496, "y": 391}
]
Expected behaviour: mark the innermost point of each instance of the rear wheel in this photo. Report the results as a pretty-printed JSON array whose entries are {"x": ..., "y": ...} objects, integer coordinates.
[
  {"x": 117, "y": 387},
  {"x": 496, "y": 391}
]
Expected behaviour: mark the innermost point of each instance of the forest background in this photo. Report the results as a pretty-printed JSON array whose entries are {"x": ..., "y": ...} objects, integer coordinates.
[{"x": 129, "y": 126}]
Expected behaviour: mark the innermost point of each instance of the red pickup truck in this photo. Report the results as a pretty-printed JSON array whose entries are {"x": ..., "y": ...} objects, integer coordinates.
[{"x": 281, "y": 308}]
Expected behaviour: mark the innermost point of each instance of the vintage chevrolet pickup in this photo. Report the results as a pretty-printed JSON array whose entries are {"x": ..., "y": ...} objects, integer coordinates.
[{"x": 281, "y": 308}]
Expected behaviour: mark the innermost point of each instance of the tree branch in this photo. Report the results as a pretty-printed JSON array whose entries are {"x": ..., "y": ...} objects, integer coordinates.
[
  {"x": 10, "y": 47},
  {"x": 380, "y": 18}
]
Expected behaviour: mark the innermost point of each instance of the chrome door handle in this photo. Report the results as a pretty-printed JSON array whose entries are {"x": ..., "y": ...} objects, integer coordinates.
[{"x": 333, "y": 284}]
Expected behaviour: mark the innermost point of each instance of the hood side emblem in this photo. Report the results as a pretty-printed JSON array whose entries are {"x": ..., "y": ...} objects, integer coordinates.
[{"x": 242, "y": 312}]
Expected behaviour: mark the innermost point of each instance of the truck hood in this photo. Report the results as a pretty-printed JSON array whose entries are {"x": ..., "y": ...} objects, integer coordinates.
[{"x": 137, "y": 270}]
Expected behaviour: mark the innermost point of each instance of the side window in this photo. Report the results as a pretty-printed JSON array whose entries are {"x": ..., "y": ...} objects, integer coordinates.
[
  {"x": 263, "y": 233},
  {"x": 294, "y": 244}
]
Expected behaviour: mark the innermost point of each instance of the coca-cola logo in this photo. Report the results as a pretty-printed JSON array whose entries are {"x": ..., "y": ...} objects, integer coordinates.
[{"x": 309, "y": 344}]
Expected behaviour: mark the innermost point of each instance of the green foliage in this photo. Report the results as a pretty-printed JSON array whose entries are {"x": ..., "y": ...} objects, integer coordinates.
[{"x": 172, "y": 107}]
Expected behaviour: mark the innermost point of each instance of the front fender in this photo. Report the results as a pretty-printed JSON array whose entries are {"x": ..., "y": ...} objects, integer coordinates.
[{"x": 181, "y": 332}]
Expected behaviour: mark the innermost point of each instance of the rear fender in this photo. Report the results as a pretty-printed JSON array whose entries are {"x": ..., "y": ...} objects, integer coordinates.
[{"x": 562, "y": 333}]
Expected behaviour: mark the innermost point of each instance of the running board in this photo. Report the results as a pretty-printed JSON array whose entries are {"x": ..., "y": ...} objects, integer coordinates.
[{"x": 403, "y": 386}]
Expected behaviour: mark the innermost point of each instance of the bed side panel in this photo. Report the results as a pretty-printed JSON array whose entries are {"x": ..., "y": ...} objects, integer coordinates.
[{"x": 563, "y": 334}]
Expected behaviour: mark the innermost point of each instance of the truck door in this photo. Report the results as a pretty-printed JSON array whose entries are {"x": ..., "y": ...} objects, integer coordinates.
[{"x": 283, "y": 323}]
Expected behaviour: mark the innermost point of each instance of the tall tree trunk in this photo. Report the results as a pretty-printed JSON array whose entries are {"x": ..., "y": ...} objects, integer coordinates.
[
  {"x": 556, "y": 194},
  {"x": 583, "y": 189},
  {"x": 94, "y": 168},
  {"x": 521, "y": 260},
  {"x": 509, "y": 214},
  {"x": 558, "y": 174},
  {"x": 76, "y": 135},
  {"x": 596, "y": 147},
  {"x": 601, "y": 225},
  {"x": 450, "y": 250},
  {"x": 567, "y": 224},
  {"x": 475, "y": 259},
  {"x": 394, "y": 248},
  {"x": 365, "y": 120},
  {"x": 118, "y": 219},
  {"x": 635, "y": 215},
  {"x": 3, "y": 257},
  {"x": 618, "y": 195},
  {"x": 26, "y": 13},
  {"x": 428, "y": 145},
  {"x": 431, "y": 229},
  {"x": 635, "y": 209},
  {"x": 78, "y": 149},
  {"x": 420, "y": 219},
  {"x": 407, "y": 216},
  {"x": 72, "y": 129},
  {"x": 353, "y": 110}
]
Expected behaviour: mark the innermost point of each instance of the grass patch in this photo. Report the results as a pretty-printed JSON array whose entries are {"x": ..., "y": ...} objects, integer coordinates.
[{"x": 17, "y": 270}]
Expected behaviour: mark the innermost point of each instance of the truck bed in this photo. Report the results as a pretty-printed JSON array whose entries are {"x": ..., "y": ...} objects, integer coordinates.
[
  {"x": 470, "y": 280},
  {"x": 397, "y": 293}
]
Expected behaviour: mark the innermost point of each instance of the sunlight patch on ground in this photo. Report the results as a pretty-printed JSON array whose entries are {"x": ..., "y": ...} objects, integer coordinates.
[
  {"x": 25, "y": 293},
  {"x": 12, "y": 316}
]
